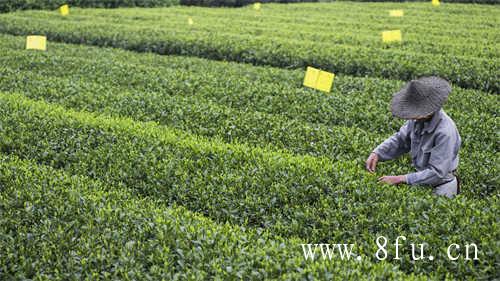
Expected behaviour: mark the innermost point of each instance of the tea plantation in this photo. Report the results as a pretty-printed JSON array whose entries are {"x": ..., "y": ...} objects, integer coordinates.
[{"x": 141, "y": 147}]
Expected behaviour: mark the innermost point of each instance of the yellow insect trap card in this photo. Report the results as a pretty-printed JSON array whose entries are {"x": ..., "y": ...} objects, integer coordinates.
[
  {"x": 190, "y": 21},
  {"x": 35, "y": 42},
  {"x": 391, "y": 36},
  {"x": 435, "y": 3},
  {"x": 396, "y": 13},
  {"x": 318, "y": 79},
  {"x": 256, "y": 6},
  {"x": 64, "y": 10}
]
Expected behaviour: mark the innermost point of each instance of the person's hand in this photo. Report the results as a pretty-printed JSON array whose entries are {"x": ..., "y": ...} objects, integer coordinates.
[
  {"x": 392, "y": 180},
  {"x": 371, "y": 162}
]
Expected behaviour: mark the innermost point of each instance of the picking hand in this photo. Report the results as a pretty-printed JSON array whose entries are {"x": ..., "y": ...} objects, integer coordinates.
[
  {"x": 371, "y": 162},
  {"x": 392, "y": 180}
]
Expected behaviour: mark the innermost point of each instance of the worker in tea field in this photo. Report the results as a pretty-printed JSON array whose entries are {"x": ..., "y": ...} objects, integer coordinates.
[{"x": 429, "y": 135}]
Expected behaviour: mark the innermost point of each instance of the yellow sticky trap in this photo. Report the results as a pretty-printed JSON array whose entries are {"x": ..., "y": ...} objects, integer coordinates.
[
  {"x": 391, "y": 36},
  {"x": 435, "y": 3},
  {"x": 64, "y": 10},
  {"x": 311, "y": 77},
  {"x": 396, "y": 13},
  {"x": 35, "y": 42},
  {"x": 190, "y": 21},
  {"x": 325, "y": 81},
  {"x": 318, "y": 79},
  {"x": 256, "y": 6}
]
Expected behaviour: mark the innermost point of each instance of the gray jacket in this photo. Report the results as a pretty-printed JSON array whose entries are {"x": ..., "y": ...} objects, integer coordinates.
[{"x": 433, "y": 146}]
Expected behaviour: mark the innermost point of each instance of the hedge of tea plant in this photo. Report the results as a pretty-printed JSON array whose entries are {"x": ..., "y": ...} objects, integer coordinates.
[
  {"x": 12, "y": 5},
  {"x": 59, "y": 226},
  {"x": 239, "y": 3},
  {"x": 444, "y": 2},
  {"x": 235, "y": 3},
  {"x": 254, "y": 105},
  {"x": 460, "y": 45},
  {"x": 120, "y": 165},
  {"x": 305, "y": 197}
]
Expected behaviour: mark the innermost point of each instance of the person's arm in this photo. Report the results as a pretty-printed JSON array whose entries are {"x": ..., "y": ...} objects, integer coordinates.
[
  {"x": 440, "y": 160},
  {"x": 396, "y": 145}
]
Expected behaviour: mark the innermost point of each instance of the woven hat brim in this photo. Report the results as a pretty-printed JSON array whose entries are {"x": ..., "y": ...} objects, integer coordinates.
[{"x": 405, "y": 106}]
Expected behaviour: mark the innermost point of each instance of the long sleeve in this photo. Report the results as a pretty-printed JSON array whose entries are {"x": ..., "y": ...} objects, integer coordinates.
[
  {"x": 440, "y": 161},
  {"x": 396, "y": 145}
]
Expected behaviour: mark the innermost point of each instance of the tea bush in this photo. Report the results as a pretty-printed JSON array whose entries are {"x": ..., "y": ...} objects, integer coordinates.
[
  {"x": 255, "y": 105},
  {"x": 11, "y": 5},
  {"x": 449, "y": 47},
  {"x": 291, "y": 196},
  {"x": 80, "y": 228},
  {"x": 120, "y": 165}
]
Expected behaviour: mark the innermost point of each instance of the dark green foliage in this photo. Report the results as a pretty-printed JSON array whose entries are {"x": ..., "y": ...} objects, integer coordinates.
[
  {"x": 442, "y": 1},
  {"x": 235, "y": 3},
  {"x": 11, "y": 5},
  {"x": 290, "y": 196},
  {"x": 57, "y": 226},
  {"x": 116, "y": 165},
  {"x": 446, "y": 49},
  {"x": 255, "y": 105}
]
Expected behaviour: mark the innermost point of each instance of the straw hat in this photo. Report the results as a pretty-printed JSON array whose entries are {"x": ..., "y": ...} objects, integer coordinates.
[{"x": 421, "y": 97}]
